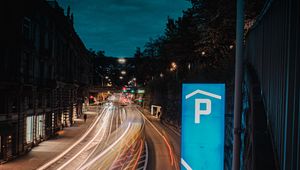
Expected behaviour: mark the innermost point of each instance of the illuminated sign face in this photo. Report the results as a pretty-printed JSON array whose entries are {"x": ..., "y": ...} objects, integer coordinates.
[
  {"x": 140, "y": 91},
  {"x": 202, "y": 138}
]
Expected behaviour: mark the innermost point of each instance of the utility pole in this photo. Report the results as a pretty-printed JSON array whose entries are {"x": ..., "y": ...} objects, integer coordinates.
[{"x": 238, "y": 83}]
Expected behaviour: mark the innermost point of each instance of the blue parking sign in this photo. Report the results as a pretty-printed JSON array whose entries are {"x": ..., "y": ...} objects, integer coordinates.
[{"x": 202, "y": 138}]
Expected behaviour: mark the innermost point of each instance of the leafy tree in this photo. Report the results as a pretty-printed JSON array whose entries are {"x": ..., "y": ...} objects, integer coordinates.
[
  {"x": 100, "y": 53},
  {"x": 201, "y": 42}
]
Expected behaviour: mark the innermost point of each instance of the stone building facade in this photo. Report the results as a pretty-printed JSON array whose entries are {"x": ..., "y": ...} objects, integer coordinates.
[{"x": 44, "y": 74}]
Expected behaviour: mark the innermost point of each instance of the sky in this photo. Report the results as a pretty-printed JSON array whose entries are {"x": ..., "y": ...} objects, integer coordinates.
[{"x": 119, "y": 26}]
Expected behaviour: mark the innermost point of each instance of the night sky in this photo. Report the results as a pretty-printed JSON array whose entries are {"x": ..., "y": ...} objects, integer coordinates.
[{"x": 119, "y": 26}]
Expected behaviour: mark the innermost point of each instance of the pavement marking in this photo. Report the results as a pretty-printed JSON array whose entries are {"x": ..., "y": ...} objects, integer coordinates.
[
  {"x": 146, "y": 160},
  {"x": 164, "y": 138},
  {"x": 71, "y": 147}
]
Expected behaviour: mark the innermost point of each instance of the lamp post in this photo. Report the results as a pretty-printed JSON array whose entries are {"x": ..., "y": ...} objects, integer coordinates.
[{"x": 238, "y": 84}]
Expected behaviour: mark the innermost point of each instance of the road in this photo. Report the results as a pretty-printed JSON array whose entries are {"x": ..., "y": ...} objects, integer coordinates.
[
  {"x": 121, "y": 137},
  {"x": 114, "y": 141},
  {"x": 163, "y": 144}
]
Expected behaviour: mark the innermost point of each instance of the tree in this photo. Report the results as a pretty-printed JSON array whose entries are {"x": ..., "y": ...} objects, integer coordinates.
[
  {"x": 138, "y": 53},
  {"x": 100, "y": 53}
]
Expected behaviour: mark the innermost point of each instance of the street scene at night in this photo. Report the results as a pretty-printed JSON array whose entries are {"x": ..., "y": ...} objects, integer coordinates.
[{"x": 150, "y": 85}]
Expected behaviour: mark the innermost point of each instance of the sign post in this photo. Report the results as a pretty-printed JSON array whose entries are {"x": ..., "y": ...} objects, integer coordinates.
[{"x": 202, "y": 138}]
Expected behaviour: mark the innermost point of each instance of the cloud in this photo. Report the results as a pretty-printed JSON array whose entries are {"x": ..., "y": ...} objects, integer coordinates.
[{"x": 119, "y": 26}]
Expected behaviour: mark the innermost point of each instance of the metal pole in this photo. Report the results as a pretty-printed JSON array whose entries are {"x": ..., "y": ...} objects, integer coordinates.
[{"x": 238, "y": 83}]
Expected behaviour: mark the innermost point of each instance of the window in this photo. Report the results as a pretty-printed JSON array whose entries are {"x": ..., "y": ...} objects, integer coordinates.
[
  {"x": 40, "y": 101},
  {"x": 14, "y": 105},
  {"x": 29, "y": 129},
  {"x": 40, "y": 127},
  {"x": 27, "y": 29},
  {"x": 2, "y": 105},
  {"x": 48, "y": 100},
  {"x": 30, "y": 102},
  {"x": 0, "y": 145},
  {"x": 46, "y": 39}
]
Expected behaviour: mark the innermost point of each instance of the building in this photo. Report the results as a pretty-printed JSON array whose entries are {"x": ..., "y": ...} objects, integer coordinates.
[{"x": 45, "y": 74}]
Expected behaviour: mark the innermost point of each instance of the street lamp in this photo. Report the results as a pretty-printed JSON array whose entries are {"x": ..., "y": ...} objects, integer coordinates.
[
  {"x": 121, "y": 77},
  {"x": 122, "y": 60},
  {"x": 161, "y": 75},
  {"x": 203, "y": 53},
  {"x": 173, "y": 66},
  {"x": 123, "y": 72},
  {"x": 106, "y": 77}
]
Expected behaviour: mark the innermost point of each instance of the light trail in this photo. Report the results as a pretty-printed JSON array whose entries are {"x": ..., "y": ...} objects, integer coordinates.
[
  {"x": 72, "y": 146},
  {"x": 172, "y": 158},
  {"x": 108, "y": 142},
  {"x": 139, "y": 155},
  {"x": 99, "y": 142},
  {"x": 107, "y": 149},
  {"x": 146, "y": 159},
  {"x": 87, "y": 145}
]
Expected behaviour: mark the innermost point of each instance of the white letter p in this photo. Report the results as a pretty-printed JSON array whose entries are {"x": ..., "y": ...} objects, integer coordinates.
[{"x": 198, "y": 111}]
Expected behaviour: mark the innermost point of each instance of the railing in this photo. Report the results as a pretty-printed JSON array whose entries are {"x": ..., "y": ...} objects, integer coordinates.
[{"x": 272, "y": 48}]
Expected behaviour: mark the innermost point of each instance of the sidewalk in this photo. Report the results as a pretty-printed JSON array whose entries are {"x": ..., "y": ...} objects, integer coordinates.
[
  {"x": 170, "y": 125},
  {"x": 49, "y": 149}
]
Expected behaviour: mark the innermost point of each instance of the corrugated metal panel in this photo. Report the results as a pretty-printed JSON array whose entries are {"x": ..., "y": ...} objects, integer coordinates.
[{"x": 272, "y": 47}]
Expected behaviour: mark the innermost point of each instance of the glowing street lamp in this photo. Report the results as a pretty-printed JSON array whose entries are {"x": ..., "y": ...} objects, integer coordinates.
[
  {"x": 123, "y": 72},
  {"x": 173, "y": 66},
  {"x": 122, "y": 60},
  {"x": 106, "y": 77},
  {"x": 121, "y": 77}
]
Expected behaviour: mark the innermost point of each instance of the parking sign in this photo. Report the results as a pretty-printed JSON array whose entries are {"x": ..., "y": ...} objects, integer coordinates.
[{"x": 202, "y": 138}]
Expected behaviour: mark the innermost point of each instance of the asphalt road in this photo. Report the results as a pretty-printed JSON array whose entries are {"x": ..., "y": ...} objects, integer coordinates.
[
  {"x": 114, "y": 141},
  {"x": 122, "y": 137},
  {"x": 163, "y": 144}
]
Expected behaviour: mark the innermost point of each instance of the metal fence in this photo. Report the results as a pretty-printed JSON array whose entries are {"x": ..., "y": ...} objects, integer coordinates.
[{"x": 272, "y": 48}]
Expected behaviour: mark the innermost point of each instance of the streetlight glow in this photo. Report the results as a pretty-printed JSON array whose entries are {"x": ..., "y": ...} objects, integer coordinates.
[
  {"x": 122, "y": 60},
  {"x": 173, "y": 66}
]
